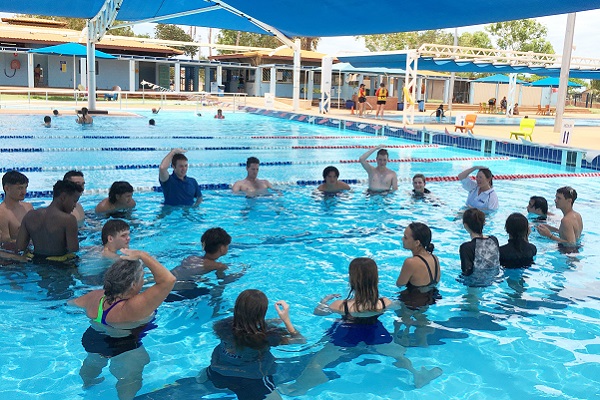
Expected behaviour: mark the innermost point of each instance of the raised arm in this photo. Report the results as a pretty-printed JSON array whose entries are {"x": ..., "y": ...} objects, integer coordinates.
[
  {"x": 143, "y": 304},
  {"x": 363, "y": 159},
  {"x": 163, "y": 169},
  {"x": 467, "y": 172}
]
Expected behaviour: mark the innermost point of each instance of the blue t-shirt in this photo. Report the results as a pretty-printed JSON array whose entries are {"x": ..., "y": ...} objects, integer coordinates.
[{"x": 179, "y": 192}]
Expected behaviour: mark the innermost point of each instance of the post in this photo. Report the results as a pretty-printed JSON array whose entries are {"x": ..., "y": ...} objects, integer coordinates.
[
  {"x": 296, "y": 88},
  {"x": 177, "y": 77},
  {"x": 91, "y": 61},
  {"x": 452, "y": 75},
  {"x": 564, "y": 72},
  {"x": 132, "y": 87}
]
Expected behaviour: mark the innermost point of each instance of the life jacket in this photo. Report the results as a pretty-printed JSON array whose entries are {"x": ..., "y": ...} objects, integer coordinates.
[
  {"x": 381, "y": 94},
  {"x": 361, "y": 93}
]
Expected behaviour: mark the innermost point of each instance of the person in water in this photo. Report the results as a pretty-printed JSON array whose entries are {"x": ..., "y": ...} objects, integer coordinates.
[
  {"x": 479, "y": 258},
  {"x": 571, "y": 224},
  {"x": 359, "y": 331},
  {"x": 242, "y": 361},
  {"x": 518, "y": 252},
  {"x": 121, "y": 315},
  {"x": 481, "y": 191},
  {"x": 331, "y": 182},
  {"x": 381, "y": 178}
]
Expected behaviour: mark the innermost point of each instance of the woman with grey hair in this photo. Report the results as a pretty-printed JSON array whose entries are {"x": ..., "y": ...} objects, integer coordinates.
[{"x": 121, "y": 315}]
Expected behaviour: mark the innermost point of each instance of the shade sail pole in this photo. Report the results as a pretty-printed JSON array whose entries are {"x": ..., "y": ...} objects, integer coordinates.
[
  {"x": 564, "y": 72},
  {"x": 297, "y": 72},
  {"x": 91, "y": 67}
]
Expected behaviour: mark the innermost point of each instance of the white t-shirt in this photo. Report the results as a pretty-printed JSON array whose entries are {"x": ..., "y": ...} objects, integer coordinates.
[{"x": 487, "y": 200}]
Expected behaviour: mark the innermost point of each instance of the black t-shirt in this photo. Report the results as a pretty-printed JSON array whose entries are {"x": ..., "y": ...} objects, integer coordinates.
[{"x": 513, "y": 257}]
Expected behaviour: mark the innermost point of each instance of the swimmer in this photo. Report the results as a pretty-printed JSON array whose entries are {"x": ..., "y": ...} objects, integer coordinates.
[
  {"x": 481, "y": 191},
  {"x": 518, "y": 252},
  {"x": 13, "y": 208},
  {"x": 116, "y": 235},
  {"x": 242, "y": 362},
  {"x": 152, "y": 122},
  {"x": 219, "y": 114},
  {"x": 85, "y": 118},
  {"x": 381, "y": 178},
  {"x": 479, "y": 258},
  {"x": 178, "y": 188},
  {"x": 538, "y": 206},
  {"x": 120, "y": 197},
  {"x": 53, "y": 230},
  {"x": 423, "y": 268},
  {"x": 55, "y": 112},
  {"x": 156, "y": 111},
  {"x": 571, "y": 225},
  {"x": 251, "y": 185},
  {"x": 77, "y": 177},
  {"x": 215, "y": 243},
  {"x": 332, "y": 184},
  {"x": 47, "y": 121},
  {"x": 419, "y": 189}
]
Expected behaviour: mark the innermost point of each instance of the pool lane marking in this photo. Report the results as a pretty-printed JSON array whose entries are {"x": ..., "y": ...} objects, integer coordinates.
[
  {"x": 69, "y": 149},
  {"x": 243, "y": 164},
  {"x": 225, "y": 186}
]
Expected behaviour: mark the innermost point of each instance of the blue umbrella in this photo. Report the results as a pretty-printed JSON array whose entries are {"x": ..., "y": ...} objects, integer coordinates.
[
  {"x": 552, "y": 82},
  {"x": 70, "y": 49},
  {"x": 498, "y": 78}
]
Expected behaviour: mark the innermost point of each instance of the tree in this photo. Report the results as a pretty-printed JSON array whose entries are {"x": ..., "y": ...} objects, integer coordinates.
[
  {"x": 521, "y": 35},
  {"x": 477, "y": 39},
  {"x": 406, "y": 40},
  {"x": 238, "y": 38},
  {"x": 309, "y": 43},
  {"x": 78, "y": 24},
  {"x": 173, "y": 32}
]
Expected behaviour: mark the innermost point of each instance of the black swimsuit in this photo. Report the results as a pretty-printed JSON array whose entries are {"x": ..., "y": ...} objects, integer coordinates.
[
  {"x": 415, "y": 297},
  {"x": 432, "y": 279},
  {"x": 352, "y": 330}
]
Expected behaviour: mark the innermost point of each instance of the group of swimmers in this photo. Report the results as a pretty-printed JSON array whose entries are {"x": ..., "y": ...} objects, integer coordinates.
[{"x": 242, "y": 361}]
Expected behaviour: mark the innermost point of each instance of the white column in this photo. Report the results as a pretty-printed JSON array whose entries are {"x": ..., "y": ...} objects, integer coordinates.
[
  {"x": 564, "y": 72},
  {"x": 311, "y": 85},
  {"x": 219, "y": 75},
  {"x": 273, "y": 82},
  {"x": 83, "y": 69},
  {"x": 30, "y": 74},
  {"x": 258, "y": 82},
  {"x": 177, "y": 77},
  {"x": 296, "y": 88},
  {"x": 132, "y": 85},
  {"x": 91, "y": 58}
]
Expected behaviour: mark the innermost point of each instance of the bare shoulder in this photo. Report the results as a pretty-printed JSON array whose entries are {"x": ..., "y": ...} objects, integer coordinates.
[{"x": 27, "y": 206}]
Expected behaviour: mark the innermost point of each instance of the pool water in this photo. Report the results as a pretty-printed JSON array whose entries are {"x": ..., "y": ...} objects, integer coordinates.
[{"x": 535, "y": 334}]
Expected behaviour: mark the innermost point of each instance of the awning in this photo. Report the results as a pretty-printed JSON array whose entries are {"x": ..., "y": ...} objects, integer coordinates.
[
  {"x": 70, "y": 49},
  {"x": 552, "y": 82}
]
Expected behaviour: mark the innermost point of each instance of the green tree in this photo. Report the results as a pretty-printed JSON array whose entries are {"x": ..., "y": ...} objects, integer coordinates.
[
  {"x": 173, "y": 32},
  {"x": 477, "y": 39},
  {"x": 406, "y": 40},
  {"x": 78, "y": 24},
  {"x": 238, "y": 38},
  {"x": 521, "y": 35}
]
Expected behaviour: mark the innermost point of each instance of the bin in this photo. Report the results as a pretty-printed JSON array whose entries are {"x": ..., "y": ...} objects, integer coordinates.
[
  {"x": 421, "y": 105},
  {"x": 401, "y": 106},
  {"x": 349, "y": 104}
]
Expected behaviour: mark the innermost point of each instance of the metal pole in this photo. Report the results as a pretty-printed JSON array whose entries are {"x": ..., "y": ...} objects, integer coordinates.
[
  {"x": 564, "y": 72},
  {"x": 452, "y": 75}
]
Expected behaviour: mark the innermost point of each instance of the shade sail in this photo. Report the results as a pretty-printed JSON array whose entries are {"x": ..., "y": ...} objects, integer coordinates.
[
  {"x": 70, "y": 49},
  {"x": 498, "y": 78},
  {"x": 428, "y": 63},
  {"x": 314, "y": 17},
  {"x": 552, "y": 82}
]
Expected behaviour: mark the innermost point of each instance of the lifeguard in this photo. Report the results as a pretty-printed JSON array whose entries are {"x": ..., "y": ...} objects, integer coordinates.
[{"x": 381, "y": 94}]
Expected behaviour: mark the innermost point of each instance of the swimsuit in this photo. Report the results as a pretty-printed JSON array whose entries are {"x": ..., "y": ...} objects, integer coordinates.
[
  {"x": 432, "y": 279},
  {"x": 101, "y": 317},
  {"x": 352, "y": 330},
  {"x": 415, "y": 297}
]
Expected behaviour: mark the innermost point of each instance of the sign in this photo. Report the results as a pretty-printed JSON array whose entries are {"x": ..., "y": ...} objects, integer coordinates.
[
  {"x": 460, "y": 119},
  {"x": 567, "y": 131},
  {"x": 63, "y": 66},
  {"x": 269, "y": 101}
]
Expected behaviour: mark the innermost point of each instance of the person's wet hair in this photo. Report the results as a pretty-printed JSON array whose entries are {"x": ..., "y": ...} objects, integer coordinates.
[
  {"x": 71, "y": 174},
  {"x": 488, "y": 174},
  {"x": 214, "y": 238},
  {"x": 417, "y": 176},
  {"x": 474, "y": 219},
  {"x": 252, "y": 160},
  {"x": 568, "y": 193},
  {"x": 13, "y": 177},
  {"x": 329, "y": 169},
  {"x": 152, "y": 122},
  {"x": 55, "y": 112},
  {"x": 84, "y": 111},
  {"x": 47, "y": 119},
  {"x": 118, "y": 188},
  {"x": 177, "y": 157},
  {"x": 364, "y": 280},
  {"x": 67, "y": 187},
  {"x": 249, "y": 325},
  {"x": 120, "y": 277},
  {"x": 422, "y": 233},
  {"x": 383, "y": 152},
  {"x": 112, "y": 228},
  {"x": 540, "y": 203},
  {"x": 517, "y": 227}
]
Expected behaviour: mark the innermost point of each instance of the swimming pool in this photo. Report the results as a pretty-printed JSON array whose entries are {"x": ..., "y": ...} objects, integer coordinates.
[{"x": 533, "y": 335}]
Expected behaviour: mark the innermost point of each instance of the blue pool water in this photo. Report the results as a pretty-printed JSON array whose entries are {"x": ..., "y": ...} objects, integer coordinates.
[{"x": 535, "y": 334}]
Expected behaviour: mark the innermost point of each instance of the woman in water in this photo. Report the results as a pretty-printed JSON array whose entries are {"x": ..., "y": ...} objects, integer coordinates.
[
  {"x": 85, "y": 118},
  {"x": 421, "y": 272},
  {"x": 481, "y": 191},
  {"x": 242, "y": 362},
  {"x": 479, "y": 258},
  {"x": 121, "y": 315},
  {"x": 518, "y": 252},
  {"x": 359, "y": 331}
]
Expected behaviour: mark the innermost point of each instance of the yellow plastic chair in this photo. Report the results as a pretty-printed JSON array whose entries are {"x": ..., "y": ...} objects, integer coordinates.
[
  {"x": 525, "y": 129},
  {"x": 469, "y": 123}
]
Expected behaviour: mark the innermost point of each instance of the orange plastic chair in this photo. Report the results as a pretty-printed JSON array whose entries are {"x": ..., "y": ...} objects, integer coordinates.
[
  {"x": 469, "y": 124},
  {"x": 539, "y": 111}
]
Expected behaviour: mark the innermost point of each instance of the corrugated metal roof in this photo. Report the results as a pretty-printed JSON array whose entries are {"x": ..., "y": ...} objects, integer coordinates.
[
  {"x": 280, "y": 53},
  {"x": 50, "y": 36}
]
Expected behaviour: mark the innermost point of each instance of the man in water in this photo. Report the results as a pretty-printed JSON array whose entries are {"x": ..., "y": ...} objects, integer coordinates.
[
  {"x": 215, "y": 243},
  {"x": 115, "y": 236},
  {"x": 53, "y": 229},
  {"x": 13, "y": 208},
  {"x": 178, "y": 188},
  {"x": 419, "y": 189},
  {"x": 77, "y": 177},
  {"x": 571, "y": 225},
  {"x": 538, "y": 206},
  {"x": 381, "y": 178},
  {"x": 332, "y": 184},
  {"x": 251, "y": 185}
]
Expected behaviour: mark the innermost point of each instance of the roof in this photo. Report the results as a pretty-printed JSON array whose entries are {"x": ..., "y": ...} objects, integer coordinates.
[
  {"x": 35, "y": 22},
  {"x": 50, "y": 36},
  {"x": 310, "y": 17},
  {"x": 281, "y": 53}
]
